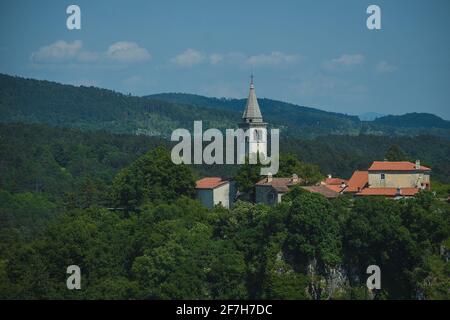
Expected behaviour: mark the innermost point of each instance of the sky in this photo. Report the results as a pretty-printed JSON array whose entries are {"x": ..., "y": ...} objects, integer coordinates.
[{"x": 315, "y": 53}]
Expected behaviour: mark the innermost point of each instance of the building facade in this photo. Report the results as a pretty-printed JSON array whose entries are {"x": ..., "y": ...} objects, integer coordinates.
[
  {"x": 270, "y": 190},
  {"x": 213, "y": 191},
  {"x": 399, "y": 174}
]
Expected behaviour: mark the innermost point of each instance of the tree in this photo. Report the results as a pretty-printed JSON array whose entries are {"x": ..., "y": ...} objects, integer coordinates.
[
  {"x": 395, "y": 153},
  {"x": 313, "y": 233},
  {"x": 246, "y": 177},
  {"x": 432, "y": 278},
  {"x": 290, "y": 164},
  {"x": 374, "y": 234},
  {"x": 151, "y": 178}
]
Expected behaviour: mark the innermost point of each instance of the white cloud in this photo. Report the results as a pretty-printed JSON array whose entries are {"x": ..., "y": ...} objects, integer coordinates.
[
  {"x": 384, "y": 67},
  {"x": 345, "y": 61},
  {"x": 124, "y": 51},
  {"x": 273, "y": 58},
  {"x": 230, "y": 58},
  {"x": 192, "y": 57},
  {"x": 215, "y": 58},
  {"x": 58, "y": 51},
  {"x": 75, "y": 53},
  {"x": 188, "y": 58}
]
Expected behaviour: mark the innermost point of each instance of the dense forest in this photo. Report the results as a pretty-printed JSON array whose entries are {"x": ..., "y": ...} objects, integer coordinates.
[
  {"x": 116, "y": 206},
  {"x": 57, "y": 160}
]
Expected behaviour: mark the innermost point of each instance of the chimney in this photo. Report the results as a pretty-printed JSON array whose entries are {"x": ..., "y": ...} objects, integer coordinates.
[
  {"x": 343, "y": 185},
  {"x": 330, "y": 176},
  {"x": 294, "y": 178},
  {"x": 417, "y": 164},
  {"x": 269, "y": 177},
  {"x": 399, "y": 192}
]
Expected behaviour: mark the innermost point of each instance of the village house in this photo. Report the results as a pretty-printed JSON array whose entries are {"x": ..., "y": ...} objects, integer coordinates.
[
  {"x": 335, "y": 184},
  {"x": 270, "y": 190},
  {"x": 394, "y": 179},
  {"x": 213, "y": 191},
  {"x": 399, "y": 174}
]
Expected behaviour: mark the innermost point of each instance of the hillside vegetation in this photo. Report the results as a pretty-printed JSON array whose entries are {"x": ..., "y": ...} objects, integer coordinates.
[{"x": 89, "y": 108}]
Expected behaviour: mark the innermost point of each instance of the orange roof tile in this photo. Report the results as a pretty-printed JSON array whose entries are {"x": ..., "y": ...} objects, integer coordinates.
[
  {"x": 323, "y": 190},
  {"x": 358, "y": 181},
  {"x": 334, "y": 181},
  {"x": 335, "y": 188},
  {"x": 209, "y": 183},
  {"x": 388, "y": 192},
  {"x": 395, "y": 166}
]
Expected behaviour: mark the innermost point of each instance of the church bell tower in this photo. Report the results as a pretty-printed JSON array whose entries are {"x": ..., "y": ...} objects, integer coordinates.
[{"x": 252, "y": 120}]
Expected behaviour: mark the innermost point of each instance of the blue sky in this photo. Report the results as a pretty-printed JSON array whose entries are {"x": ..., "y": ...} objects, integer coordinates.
[{"x": 315, "y": 53}]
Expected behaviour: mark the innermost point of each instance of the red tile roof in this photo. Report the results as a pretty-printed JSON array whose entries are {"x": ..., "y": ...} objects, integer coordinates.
[
  {"x": 209, "y": 183},
  {"x": 279, "y": 184},
  {"x": 388, "y": 192},
  {"x": 323, "y": 190},
  {"x": 334, "y": 181},
  {"x": 335, "y": 188},
  {"x": 358, "y": 181},
  {"x": 395, "y": 166}
]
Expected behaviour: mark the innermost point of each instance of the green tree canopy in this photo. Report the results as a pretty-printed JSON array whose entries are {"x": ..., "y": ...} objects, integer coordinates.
[
  {"x": 152, "y": 178},
  {"x": 314, "y": 234},
  {"x": 395, "y": 153}
]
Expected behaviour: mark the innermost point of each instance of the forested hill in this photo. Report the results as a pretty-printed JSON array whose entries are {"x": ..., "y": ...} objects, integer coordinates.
[
  {"x": 35, "y": 101},
  {"x": 90, "y": 108},
  {"x": 411, "y": 120},
  {"x": 297, "y": 119},
  {"x": 310, "y": 122}
]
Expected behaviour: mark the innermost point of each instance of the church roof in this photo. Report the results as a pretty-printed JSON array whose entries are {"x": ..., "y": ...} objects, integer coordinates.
[{"x": 252, "y": 112}]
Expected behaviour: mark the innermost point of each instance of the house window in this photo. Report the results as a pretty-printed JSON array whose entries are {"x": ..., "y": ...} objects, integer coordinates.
[{"x": 383, "y": 176}]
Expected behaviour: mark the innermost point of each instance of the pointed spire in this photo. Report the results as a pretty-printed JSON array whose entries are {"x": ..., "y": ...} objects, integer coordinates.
[{"x": 252, "y": 112}]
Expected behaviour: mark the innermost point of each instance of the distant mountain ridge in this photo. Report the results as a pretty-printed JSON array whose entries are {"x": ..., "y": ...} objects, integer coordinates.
[
  {"x": 370, "y": 116},
  {"x": 411, "y": 120},
  {"x": 309, "y": 119},
  {"x": 299, "y": 120},
  {"x": 89, "y": 108}
]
